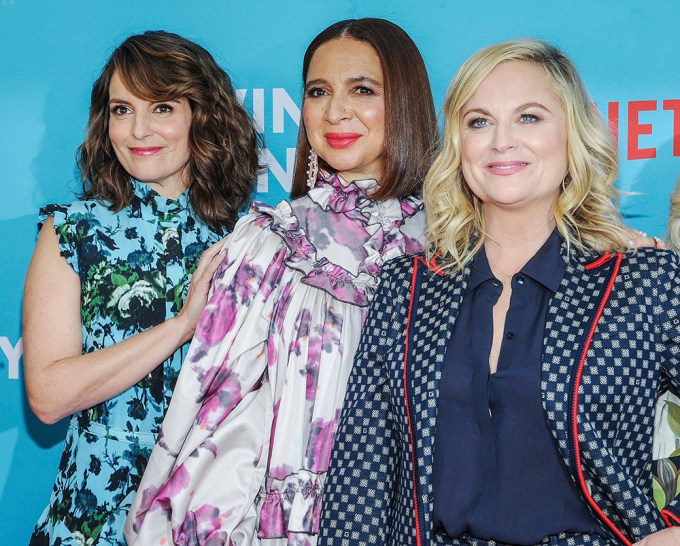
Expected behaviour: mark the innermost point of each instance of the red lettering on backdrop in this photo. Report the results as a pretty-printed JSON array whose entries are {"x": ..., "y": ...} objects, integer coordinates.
[
  {"x": 675, "y": 106},
  {"x": 635, "y": 129},
  {"x": 613, "y": 119}
]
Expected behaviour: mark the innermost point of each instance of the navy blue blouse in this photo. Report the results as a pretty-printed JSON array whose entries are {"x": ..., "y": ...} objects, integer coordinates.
[{"x": 497, "y": 474}]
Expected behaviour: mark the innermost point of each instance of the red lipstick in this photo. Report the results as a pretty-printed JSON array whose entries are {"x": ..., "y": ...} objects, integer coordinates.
[{"x": 341, "y": 140}]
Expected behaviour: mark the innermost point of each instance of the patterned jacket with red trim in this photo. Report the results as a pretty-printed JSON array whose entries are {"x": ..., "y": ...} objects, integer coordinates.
[{"x": 612, "y": 338}]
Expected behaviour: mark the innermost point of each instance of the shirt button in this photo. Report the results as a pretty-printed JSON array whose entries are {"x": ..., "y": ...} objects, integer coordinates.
[
  {"x": 520, "y": 280},
  {"x": 509, "y": 335}
]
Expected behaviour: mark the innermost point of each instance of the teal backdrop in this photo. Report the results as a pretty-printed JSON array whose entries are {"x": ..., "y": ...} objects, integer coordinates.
[{"x": 628, "y": 53}]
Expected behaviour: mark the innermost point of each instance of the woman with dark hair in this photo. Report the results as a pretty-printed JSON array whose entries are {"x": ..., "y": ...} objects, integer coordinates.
[
  {"x": 245, "y": 445},
  {"x": 169, "y": 160},
  {"x": 504, "y": 387}
]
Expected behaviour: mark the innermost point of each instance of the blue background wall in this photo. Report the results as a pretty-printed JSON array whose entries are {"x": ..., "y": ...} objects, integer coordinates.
[{"x": 50, "y": 53}]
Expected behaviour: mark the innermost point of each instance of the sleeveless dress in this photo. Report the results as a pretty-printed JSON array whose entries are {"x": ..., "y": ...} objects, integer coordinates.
[
  {"x": 134, "y": 267},
  {"x": 245, "y": 446}
]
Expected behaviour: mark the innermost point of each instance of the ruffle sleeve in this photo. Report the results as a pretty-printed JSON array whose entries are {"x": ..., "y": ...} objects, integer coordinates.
[{"x": 66, "y": 226}]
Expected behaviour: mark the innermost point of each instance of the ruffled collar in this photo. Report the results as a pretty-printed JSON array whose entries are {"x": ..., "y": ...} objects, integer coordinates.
[
  {"x": 332, "y": 193},
  {"x": 359, "y": 222}
]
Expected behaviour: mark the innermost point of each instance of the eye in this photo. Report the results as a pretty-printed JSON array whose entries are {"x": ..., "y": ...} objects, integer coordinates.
[
  {"x": 315, "y": 92},
  {"x": 119, "y": 110},
  {"x": 528, "y": 118},
  {"x": 363, "y": 90},
  {"x": 163, "y": 108},
  {"x": 477, "y": 123}
]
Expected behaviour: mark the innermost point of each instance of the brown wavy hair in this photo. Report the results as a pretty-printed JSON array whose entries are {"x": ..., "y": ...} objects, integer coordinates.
[
  {"x": 223, "y": 143},
  {"x": 410, "y": 120}
]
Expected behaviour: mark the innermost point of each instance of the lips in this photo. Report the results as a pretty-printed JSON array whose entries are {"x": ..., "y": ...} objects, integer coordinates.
[
  {"x": 147, "y": 151},
  {"x": 506, "y": 167},
  {"x": 341, "y": 140}
]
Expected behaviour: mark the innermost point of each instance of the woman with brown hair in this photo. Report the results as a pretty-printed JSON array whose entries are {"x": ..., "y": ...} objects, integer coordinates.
[
  {"x": 169, "y": 160},
  {"x": 245, "y": 445}
]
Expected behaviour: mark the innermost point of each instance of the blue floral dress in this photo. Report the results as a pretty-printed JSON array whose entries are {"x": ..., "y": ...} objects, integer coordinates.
[{"x": 134, "y": 267}]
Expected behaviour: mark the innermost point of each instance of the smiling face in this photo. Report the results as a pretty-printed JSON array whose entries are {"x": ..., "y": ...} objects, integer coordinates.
[
  {"x": 150, "y": 139},
  {"x": 513, "y": 139},
  {"x": 344, "y": 108}
]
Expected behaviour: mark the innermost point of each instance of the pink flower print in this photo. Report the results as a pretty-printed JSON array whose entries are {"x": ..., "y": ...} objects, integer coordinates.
[
  {"x": 224, "y": 394},
  {"x": 154, "y": 498},
  {"x": 345, "y": 234},
  {"x": 303, "y": 322},
  {"x": 246, "y": 281},
  {"x": 344, "y": 199},
  {"x": 331, "y": 331},
  {"x": 272, "y": 522},
  {"x": 202, "y": 526},
  {"x": 320, "y": 443},
  {"x": 278, "y": 472},
  {"x": 299, "y": 245},
  {"x": 281, "y": 309},
  {"x": 311, "y": 370},
  {"x": 216, "y": 321}
]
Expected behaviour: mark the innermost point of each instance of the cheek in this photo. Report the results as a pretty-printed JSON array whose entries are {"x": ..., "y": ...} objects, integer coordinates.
[
  {"x": 311, "y": 119},
  {"x": 555, "y": 147},
  {"x": 178, "y": 134},
  {"x": 374, "y": 118},
  {"x": 116, "y": 133},
  {"x": 470, "y": 149}
]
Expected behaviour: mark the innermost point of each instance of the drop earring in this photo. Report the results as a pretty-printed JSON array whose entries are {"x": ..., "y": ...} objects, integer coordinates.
[{"x": 312, "y": 168}]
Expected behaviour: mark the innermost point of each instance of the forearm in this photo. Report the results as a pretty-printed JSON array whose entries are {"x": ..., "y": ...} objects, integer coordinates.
[{"x": 62, "y": 387}]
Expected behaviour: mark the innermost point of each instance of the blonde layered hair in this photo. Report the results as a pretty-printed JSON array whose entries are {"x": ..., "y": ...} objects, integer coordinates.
[
  {"x": 674, "y": 219},
  {"x": 586, "y": 213}
]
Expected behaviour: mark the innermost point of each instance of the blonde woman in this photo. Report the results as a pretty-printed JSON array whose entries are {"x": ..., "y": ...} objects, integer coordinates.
[{"x": 503, "y": 390}]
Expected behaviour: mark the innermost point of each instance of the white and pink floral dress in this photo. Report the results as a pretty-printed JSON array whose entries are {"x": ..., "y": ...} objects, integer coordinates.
[{"x": 245, "y": 445}]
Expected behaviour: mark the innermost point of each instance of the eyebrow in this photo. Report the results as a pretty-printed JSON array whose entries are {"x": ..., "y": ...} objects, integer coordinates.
[
  {"x": 117, "y": 101},
  {"x": 518, "y": 109},
  {"x": 354, "y": 79},
  {"x": 113, "y": 100}
]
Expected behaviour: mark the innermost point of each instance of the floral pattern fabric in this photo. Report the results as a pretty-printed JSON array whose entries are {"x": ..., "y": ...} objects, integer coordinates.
[
  {"x": 666, "y": 448},
  {"x": 134, "y": 267},
  {"x": 245, "y": 446}
]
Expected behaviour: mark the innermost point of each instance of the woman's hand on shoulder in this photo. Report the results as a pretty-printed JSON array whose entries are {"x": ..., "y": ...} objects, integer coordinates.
[
  {"x": 639, "y": 239},
  {"x": 197, "y": 296},
  {"x": 665, "y": 537},
  {"x": 60, "y": 379}
]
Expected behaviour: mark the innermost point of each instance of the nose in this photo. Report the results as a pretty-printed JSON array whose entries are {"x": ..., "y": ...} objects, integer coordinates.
[
  {"x": 338, "y": 108},
  {"x": 504, "y": 137},
  {"x": 141, "y": 126}
]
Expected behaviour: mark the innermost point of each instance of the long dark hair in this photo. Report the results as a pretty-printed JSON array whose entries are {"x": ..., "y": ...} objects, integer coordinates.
[
  {"x": 223, "y": 144},
  {"x": 410, "y": 120}
]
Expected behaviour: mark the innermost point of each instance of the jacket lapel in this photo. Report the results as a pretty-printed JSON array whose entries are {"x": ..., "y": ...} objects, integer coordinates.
[
  {"x": 569, "y": 316},
  {"x": 569, "y": 363},
  {"x": 436, "y": 300}
]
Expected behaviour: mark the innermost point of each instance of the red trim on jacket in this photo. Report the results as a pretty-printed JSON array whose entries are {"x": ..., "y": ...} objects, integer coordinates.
[
  {"x": 432, "y": 265},
  {"x": 600, "y": 261},
  {"x": 408, "y": 408},
  {"x": 670, "y": 518},
  {"x": 577, "y": 383}
]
